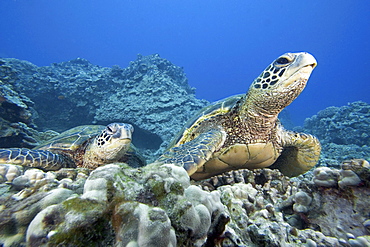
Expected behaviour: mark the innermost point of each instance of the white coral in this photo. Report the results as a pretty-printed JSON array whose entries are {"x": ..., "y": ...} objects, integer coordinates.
[
  {"x": 302, "y": 202},
  {"x": 10, "y": 172},
  {"x": 326, "y": 177},
  {"x": 348, "y": 178}
]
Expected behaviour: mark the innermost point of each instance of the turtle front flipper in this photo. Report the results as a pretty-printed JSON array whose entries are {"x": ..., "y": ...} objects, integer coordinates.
[
  {"x": 301, "y": 152},
  {"x": 193, "y": 154},
  {"x": 42, "y": 159}
]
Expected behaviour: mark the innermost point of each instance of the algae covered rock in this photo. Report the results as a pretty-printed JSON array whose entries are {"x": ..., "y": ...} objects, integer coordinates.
[{"x": 119, "y": 205}]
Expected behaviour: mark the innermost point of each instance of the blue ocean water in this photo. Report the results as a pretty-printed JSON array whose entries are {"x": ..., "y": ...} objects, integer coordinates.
[{"x": 222, "y": 45}]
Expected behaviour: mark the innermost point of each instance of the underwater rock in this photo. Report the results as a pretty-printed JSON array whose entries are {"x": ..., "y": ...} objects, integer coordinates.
[
  {"x": 360, "y": 167},
  {"x": 151, "y": 93},
  {"x": 342, "y": 131},
  {"x": 16, "y": 117},
  {"x": 17, "y": 113},
  {"x": 342, "y": 125},
  {"x": 54, "y": 84},
  {"x": 352, "y": 173},
  {"x": 348, "y": 178},
  {"x": 15, "y": 107}
]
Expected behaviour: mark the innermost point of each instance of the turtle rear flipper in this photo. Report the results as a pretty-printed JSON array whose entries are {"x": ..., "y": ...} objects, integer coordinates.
[
  {"x": 301, "y": 153},
  {"x": 42, "y": 159},
  {"x": 193, "y": 154}
]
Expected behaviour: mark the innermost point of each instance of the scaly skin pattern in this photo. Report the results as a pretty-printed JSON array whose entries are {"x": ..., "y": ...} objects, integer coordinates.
[
  {"x": 301, "y": 152},
  {"x": 254, "y": 137},
  {"x": 34, "y": 158}
]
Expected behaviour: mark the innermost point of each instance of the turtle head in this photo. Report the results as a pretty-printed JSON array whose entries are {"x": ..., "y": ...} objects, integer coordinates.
[
  {"x": 282, "y": 81},
  {"x": 111, "y": 144}
]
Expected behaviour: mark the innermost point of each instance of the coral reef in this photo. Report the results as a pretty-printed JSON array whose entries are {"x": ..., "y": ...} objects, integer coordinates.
[
  {"x": 151, "y": 93},
  {"x": 158, "y": 205}
]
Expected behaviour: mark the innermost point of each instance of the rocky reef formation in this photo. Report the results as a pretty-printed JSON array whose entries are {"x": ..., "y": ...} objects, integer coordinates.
[
  {"x": 158, "y": 205},
  {"x": 151, "y": 93},
  {"x": 15, "y": 114},
  {"x": 344, "y": 132},
  {"x": 17, "y": 128}
]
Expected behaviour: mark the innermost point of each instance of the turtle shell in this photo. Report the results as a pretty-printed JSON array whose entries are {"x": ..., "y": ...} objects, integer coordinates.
[
  {"x": 72, "y": 139},
  {"x": 217, "y": 108}
]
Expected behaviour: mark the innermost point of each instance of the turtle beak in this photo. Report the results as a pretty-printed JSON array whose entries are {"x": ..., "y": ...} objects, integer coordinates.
[
  {"x": 313, "y": 65},
  {"x": 306, "y": 59},
  {"x": 126, "y": 131},
  {"x": 121, "y": 130},
  {"x": 300, "y": 70}
]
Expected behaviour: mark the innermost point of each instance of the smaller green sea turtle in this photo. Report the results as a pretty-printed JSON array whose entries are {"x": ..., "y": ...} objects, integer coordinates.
[
  {"x": 244, "y": 131},
  {"x": 87, "y": 146}
]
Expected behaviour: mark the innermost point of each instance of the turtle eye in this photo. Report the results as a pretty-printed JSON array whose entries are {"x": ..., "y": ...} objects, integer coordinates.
[
  {"x": 109, "y": 130},
  {"x": 282, "y": 61}
]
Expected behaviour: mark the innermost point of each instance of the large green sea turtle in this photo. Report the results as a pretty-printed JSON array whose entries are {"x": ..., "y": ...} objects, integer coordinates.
[
  {"x": 87, "y": 146},
  {"x": 244, "y": 131}
]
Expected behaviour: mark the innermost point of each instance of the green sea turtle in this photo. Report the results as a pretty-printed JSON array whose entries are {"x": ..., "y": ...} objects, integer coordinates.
[
  {"x": 87, "y": 146},
  {"x": 244, "y": 131}
]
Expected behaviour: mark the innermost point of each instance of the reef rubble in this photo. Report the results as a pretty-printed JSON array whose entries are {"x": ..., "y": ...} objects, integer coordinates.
[{"x": 158, "y": 205}]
